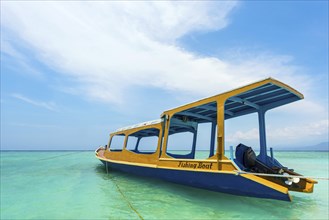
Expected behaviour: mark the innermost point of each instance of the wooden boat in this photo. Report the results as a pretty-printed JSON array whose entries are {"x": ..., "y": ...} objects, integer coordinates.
[{"x": 245, "y": 174}]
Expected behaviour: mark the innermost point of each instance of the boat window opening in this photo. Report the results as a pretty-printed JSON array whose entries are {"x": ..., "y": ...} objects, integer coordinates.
[
  {"x": 180, "y": 145},
  {"x": 243, "y": 130},
  {"x": 148, "y": 144},
  {"x": 273, "y": 119},
  {"x": 131, "y": 143},
  {"x": 204, "y": 141},
  {"x": 143, "y": 141},
  {"x": 117, "y": 142},
  {"x": 186, "y": 122}
]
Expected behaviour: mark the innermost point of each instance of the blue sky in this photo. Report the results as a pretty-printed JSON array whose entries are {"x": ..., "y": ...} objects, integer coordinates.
[{"x": 72, "y": 72}]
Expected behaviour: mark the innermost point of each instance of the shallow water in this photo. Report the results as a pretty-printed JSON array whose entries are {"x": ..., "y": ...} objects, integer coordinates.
[{"x": 75, "y": 185}]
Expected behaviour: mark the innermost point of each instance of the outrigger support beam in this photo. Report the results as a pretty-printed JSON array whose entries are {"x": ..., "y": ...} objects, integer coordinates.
[
  {"x": 195, "y": 115},
  {"x": 246, "y": 102},
  {"x": 229, "y": 113}
]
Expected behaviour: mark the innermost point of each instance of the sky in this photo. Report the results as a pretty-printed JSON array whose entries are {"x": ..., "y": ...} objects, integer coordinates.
[{"x": 72, "y": 72}]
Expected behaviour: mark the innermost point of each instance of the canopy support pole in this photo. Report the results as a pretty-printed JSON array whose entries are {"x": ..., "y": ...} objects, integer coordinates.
[
  {"x": 212, "y": 140},
  {"x": 262, "y": 135},
  {"x": 195, "y": 132},
  {"x": 137, "y": 143}
]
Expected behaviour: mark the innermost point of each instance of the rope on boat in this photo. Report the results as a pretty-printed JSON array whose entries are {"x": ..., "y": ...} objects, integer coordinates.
[
  {"x": 281, "y": 176},
  {"x": 130, "y": 205},
  {"x": 125, "y": 198},
  {"x": 62, "y": 155},
  {"x": 107, "y": 170}
]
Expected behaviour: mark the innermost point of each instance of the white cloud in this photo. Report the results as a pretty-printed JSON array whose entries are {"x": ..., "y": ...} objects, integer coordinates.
[
  {"x": 301, "y": 132},
  {"x": 167, "y": 21},
  {"x": 305, "y": 107},
  {"x": 34, "y": 125},
  {"x": 107, "y": 47},
  {"x": 21, "y": 61},
  {"x": 103, "y": 49},
  {"x": 8, "y": 49},
  {"x": 47, "y": 105},
  {"x": 238, "y": 136}
]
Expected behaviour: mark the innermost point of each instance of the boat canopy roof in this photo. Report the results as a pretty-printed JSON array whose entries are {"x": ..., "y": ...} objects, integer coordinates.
[
  {"x": 143, "y": 124},
  {"x": 149, "y": 132},
  {"x": 265, "y": 97},
  {"x": 255, "y": 97},
  {"x": 262, "y": 95}
]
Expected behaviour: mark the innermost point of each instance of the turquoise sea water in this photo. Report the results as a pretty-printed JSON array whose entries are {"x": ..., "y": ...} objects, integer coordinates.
[{"x": 75, "y": 185}]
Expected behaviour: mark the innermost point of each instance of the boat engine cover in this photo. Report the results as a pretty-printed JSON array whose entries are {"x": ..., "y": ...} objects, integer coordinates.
[
  {"x": 245, "y": 155},
  {"x": 249, "y": 158}
]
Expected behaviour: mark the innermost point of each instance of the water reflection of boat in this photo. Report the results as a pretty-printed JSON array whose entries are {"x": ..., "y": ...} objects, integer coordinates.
[{"x": 245, "y": 174}]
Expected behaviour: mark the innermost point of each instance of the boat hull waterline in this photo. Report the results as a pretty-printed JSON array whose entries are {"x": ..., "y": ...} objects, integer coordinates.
[{"x": 218, "y": 182}]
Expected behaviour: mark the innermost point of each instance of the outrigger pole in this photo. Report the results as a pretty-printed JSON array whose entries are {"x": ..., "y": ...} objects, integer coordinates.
[{"x": 238, "y": 172}]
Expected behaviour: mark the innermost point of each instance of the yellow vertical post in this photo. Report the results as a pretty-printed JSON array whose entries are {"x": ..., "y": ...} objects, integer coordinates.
[
  {"x": 165, "y": 137},
  {"x": 220, "y": 132}
]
